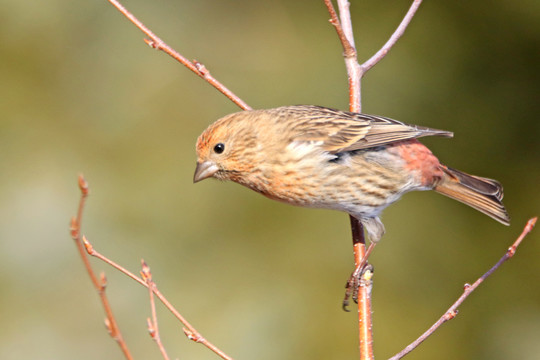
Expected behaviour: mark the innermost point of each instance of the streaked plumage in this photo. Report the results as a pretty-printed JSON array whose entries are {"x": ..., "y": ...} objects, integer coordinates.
[{"x": 318, "y": 157}]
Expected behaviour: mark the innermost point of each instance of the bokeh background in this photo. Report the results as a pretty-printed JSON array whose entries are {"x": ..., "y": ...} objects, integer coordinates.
[{"x": 82, "y": 93}]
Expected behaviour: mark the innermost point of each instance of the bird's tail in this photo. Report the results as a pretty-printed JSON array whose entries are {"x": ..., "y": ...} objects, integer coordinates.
[{"x": 480, "y": 193}]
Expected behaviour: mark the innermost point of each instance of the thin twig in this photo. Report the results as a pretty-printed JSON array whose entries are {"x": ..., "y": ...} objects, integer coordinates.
[
  {"x": 379, "y": 55},
  {"x": 152, "y": 323},
  {"x": 356, "y": 71},
  {"x": 101, "y": 283},
  {"x": 195, "y": 66},
  {"x": 348, "y": 48},
  {"x": 189, "y": 330},
  {"x": 468, "y": 289}
]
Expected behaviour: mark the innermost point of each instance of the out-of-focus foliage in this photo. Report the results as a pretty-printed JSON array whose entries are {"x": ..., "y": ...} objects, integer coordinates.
[{"x": 80, "y": 92}]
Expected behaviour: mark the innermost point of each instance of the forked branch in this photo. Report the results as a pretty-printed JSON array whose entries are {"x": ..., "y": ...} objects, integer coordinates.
[
  {"x": 355, "y": 71},
  {"x": 99, "y": 284},
  {"x": 153, "y": 328},
  {"x": 361, "y": 289},
  {"x": 189, "y": 330}
]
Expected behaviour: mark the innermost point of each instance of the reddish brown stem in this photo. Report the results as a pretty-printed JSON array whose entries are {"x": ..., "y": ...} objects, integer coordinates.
[
  {"x": 195, "y": 66},
  {"x": 153, "y": 328},
  {"x": 363, "y": 292},
  {"x": 348, "y": 49},
  {"x": 189, "y": 330},
  {"x": 355, "y": 72},
  {"x": 468, "y": 289},
  {"x": 99, "y": 284}
]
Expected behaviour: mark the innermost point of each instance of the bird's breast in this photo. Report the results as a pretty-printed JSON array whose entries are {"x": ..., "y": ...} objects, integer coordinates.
[{"x": 361, "y": 183}]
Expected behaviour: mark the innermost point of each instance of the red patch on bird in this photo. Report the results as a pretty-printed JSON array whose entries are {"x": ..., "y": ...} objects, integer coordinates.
[{"x": 421, "y": 161}]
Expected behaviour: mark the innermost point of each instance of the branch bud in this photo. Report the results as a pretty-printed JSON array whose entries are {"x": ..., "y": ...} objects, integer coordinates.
[
  {"x": 89, "y": 248},
  {"x": 200, "y": 67},
  {"x": 145, "y": 272},
  {"x": 83, "y": 185},
  {"x": 151, "y": 328},
  {"x": 108, "y": 326},
  {"x": 195, "y": 336},
  {"x": 103, "y": 281}
]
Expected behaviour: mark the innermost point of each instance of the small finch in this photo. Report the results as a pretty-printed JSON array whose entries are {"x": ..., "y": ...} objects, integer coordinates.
[{"x": 318, "y": 157}]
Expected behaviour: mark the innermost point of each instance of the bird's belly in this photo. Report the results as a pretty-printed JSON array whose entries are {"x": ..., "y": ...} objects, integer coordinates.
[{"x": 362, "y": 191}]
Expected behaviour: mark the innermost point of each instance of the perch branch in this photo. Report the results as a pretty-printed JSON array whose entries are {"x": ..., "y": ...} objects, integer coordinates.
[
  {"x": 362, "y": 290},
  {"x": 468, "y": 289},
  {"x": 101, "y": 283},
  {"x": 155, "y": 42}
]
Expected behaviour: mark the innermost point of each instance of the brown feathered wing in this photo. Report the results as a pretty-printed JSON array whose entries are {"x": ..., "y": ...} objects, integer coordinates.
[{"x": 344, "y": 131}]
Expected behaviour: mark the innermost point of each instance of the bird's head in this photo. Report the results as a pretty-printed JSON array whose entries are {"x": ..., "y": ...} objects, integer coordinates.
[{"x": 226, "y": 149}]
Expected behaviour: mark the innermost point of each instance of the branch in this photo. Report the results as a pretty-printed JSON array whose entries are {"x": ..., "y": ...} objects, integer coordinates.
[
  {"x": 468, "y": 289},
  {"x": 81, "y": 242},
  {"x": 344, "y": 30},
  {"x": 101, "y": 284},
  {"x": 153, "y": 328},
  {"x": 379, "y": 55},
  {"x": 195, "y": 66},
  {"x": 361, "y": 289},
  {"x": 348, "y": 47},
  {"x": 189, "y": 330},
  {"x": 360, "y": 283},
  {"x": 345, "y": 33}
]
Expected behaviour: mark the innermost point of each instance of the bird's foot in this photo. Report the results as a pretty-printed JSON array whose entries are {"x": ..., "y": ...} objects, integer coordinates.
[{"x": 360, "y": 277}]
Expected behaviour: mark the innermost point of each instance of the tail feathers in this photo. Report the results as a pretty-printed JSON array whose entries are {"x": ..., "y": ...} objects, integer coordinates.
[{"x": 480, "y": 193}]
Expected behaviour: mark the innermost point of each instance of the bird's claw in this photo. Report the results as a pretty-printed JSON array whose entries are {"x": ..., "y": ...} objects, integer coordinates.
[{"x": 361, "y": 276}]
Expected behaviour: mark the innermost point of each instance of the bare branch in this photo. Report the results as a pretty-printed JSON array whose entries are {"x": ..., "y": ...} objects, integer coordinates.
[
  {"x": 354, "y": 75},
  {"x": 344, "y": 29},
  {"x": 354, "y": 71},
  {"x": 379, "y": 55},
  {"x": 348, "y": 48},
  {"x": 189, "y": 330},
  {"x": 101, "y": 283},
  {"x": 361, "y": 290},
  {"x": 153, "y": 327},
  {"x": 468, "y": 289},
  {"x": 198, "y": 68}
]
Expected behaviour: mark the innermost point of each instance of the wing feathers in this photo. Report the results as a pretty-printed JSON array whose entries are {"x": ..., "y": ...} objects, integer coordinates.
[{"x": 344, "y": 131}]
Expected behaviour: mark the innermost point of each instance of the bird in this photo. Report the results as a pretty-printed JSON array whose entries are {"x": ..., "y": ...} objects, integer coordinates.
[{"x": 319, "y": 157}]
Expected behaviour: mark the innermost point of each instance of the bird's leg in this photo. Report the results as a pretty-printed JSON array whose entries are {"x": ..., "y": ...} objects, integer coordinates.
[{"x": 355, "y": 280}]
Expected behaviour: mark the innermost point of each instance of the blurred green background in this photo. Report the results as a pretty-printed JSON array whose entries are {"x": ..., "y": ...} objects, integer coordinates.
[{"x": 82, "y": 93}]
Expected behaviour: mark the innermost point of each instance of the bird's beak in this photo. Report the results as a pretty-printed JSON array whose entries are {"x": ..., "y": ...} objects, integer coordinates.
[{"x": 204, "y": 170}]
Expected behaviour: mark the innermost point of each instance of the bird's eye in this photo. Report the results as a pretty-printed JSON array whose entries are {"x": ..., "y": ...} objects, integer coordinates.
[{"x": 219, "y": 148}]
